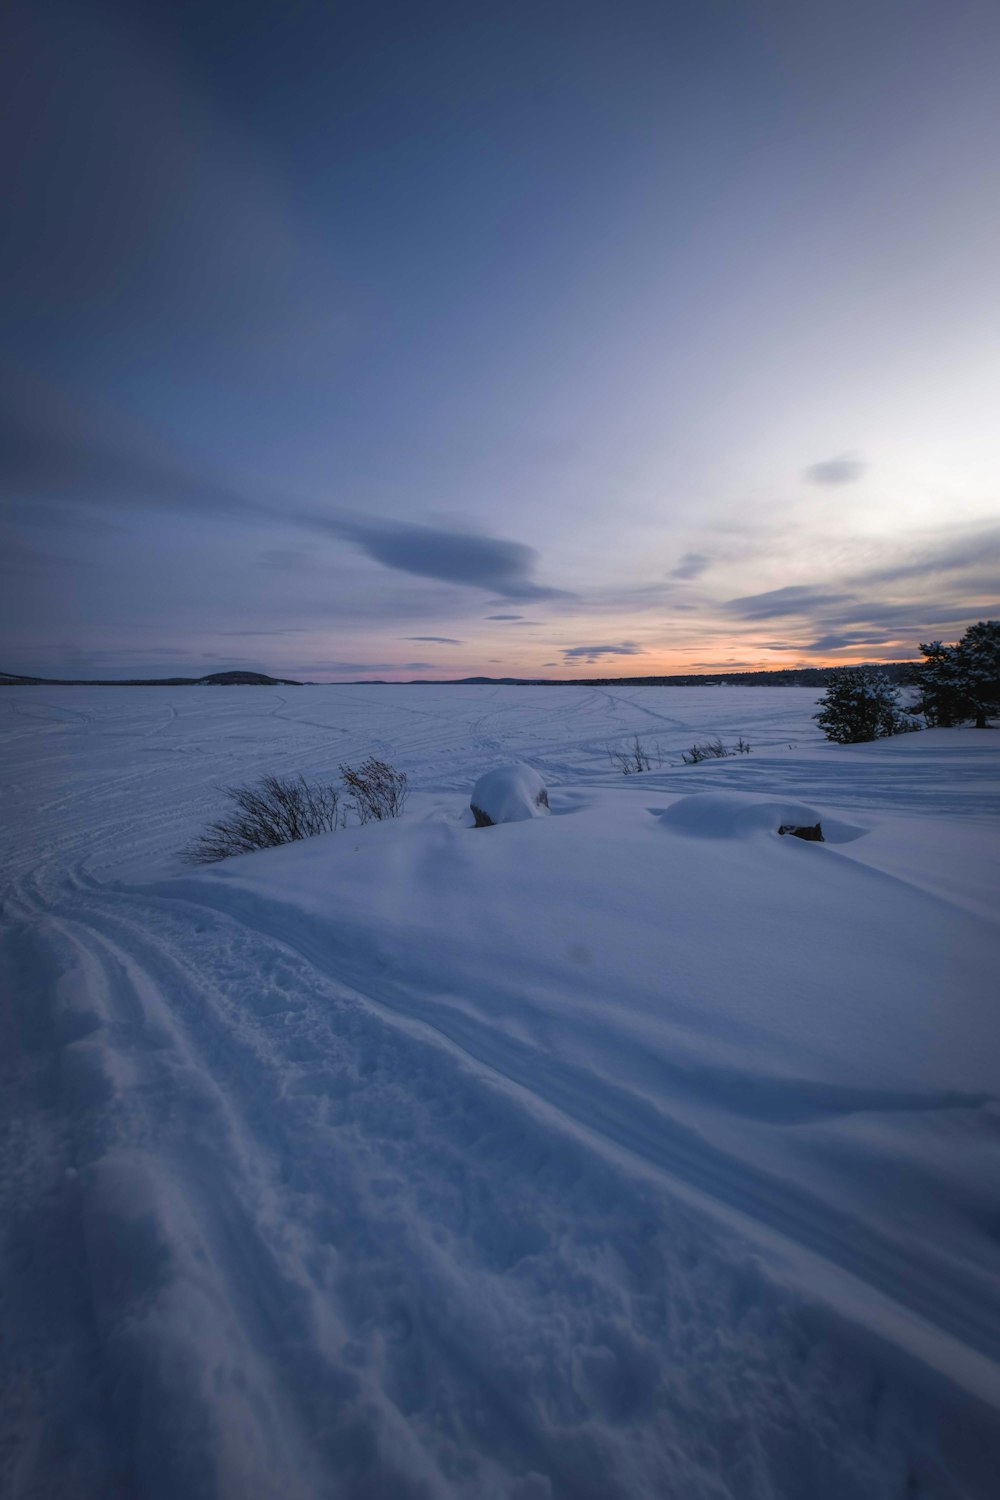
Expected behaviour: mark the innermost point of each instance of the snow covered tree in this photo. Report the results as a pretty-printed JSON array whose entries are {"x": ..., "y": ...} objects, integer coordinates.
[
  {"x": 962, "y": 681},
  {"x": 860, "y": 703},
  {"x": 979, "y": 665},
  {"x": 941, "y": 702}
]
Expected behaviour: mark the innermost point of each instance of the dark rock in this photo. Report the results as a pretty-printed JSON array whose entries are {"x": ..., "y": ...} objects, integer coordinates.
[{"x": 811, "y": 832}]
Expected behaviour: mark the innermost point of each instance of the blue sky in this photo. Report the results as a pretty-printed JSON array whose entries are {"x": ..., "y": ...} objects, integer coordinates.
[{"x": 428, "y": 340}]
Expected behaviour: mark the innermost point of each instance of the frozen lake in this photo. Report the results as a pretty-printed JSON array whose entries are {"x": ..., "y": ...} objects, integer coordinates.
[
  {"x": 630, "y": 1151},
  {"x": 133, "y": 771}
]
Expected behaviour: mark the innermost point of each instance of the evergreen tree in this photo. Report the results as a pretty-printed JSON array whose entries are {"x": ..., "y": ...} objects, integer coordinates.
[
  {"x": 860, "y": 703},
  {"x": 979, "y": 652},
  {"x": 941, "y": 700},
  {"x": 962, "y": 681}
]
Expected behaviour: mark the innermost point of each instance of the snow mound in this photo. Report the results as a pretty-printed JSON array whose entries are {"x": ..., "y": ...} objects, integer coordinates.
[
  {"x": 509, "y": 794},
  {"x": 736, "y": 815}
]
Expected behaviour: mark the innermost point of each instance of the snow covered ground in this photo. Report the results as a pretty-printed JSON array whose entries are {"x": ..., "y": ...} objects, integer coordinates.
[{"x": 631, "y": 1151}]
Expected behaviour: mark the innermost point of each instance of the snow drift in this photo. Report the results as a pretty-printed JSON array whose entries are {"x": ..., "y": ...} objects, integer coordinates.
[{"x": 735, "y": 815}]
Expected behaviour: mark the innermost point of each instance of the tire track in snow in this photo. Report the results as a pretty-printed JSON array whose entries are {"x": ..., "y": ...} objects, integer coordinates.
[{"x": 615, "y": 703}]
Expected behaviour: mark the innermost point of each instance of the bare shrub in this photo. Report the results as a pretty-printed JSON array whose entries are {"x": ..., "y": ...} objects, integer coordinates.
[
  {"x": 276, "y": 810},
  {"x": 707, "y": 750},
  {"x": 713, "y": 750},
  {"x": 631, "y": 759},
  {"x": 378, "y": 789}
]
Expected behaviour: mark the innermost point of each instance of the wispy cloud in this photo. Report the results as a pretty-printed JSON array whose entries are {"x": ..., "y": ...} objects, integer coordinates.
[
  {"x": 835, "y": 471},
  {"x": 840, "y": 640},
  {"x": 796, "y": 599},
  {"x": 880, "y": 625},
  {"x": 912, "y": 615},
  {"x": 692, "y": 565},
  {"x": 439, "y": 640},
  {"x": 594, "y": 653},
  {"x": 61, "y": 519},
  {"x": 53, "y": 449},
  {"x": 942, "y": 553}
]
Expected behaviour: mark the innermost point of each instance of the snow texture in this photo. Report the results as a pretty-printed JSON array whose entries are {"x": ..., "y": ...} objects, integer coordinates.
[
  {"x": 509, "y": 794},
  {"x": 632, "y": 1152}
]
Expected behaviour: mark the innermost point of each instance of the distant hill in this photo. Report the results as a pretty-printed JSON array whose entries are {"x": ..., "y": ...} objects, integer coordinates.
[
  {"x": 214, "y": 679},
  {"x": 245, "y": 679}
]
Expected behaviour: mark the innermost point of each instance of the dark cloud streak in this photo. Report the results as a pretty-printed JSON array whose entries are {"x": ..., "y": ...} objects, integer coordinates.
[
  {"x": 972, "y": 549},
  {"x": 836, "y": 471},
  {"x": 593, "y": 653},
  {"x": 464, "y": 558},
  {"x": 692, "y": 565},
  {"x": 796, "y": 599}
]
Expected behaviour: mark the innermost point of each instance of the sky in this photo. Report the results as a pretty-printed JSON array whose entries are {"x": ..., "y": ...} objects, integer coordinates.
[{"x": 437, "y": 339}]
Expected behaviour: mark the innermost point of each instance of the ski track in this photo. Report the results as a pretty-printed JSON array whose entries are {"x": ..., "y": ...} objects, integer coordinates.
[
  {"x": 617, "y": 1118},
  {"x": 281, "y": 1229}
]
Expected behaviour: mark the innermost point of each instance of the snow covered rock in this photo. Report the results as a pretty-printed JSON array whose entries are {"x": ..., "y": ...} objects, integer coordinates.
[
  {"x": 509, "y": 794},
  {"x": 745, "y": 815}
]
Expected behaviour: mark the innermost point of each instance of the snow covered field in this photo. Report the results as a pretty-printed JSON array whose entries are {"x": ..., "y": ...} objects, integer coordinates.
[{"x": 630, "y": 1151}]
